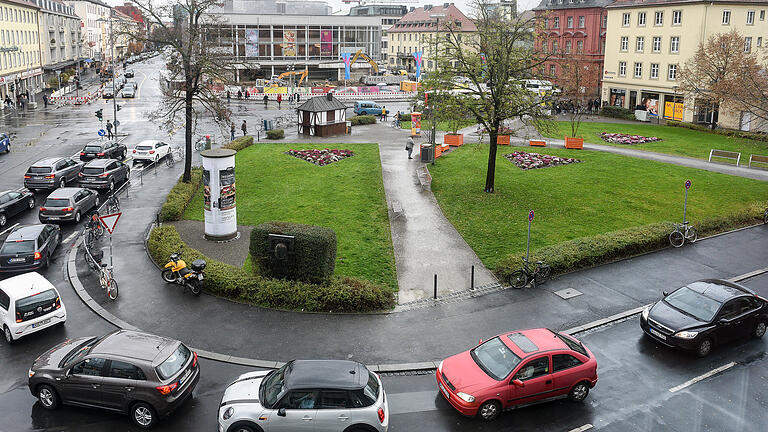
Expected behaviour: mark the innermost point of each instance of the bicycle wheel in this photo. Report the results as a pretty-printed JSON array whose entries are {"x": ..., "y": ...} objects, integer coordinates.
[
  {"x": 98, "y": 231},
  {"x": 199, "y": 145},
  {"x": 114, "y": 205},
  {"x": 518, "y": 279},
  {"x": 169, "y": 162},
  {"x": 543, "y": 271},
  {"x": 676, "y": 238},
  {"x": 691, "y": 235},
  {"x": 112, "y": 289},
  {"x": 89, "y": 239}
]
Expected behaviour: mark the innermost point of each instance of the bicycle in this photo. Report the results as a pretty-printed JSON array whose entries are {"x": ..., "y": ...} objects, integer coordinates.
[
  {"x": 173, "y": 155},
  {"x": 94, "y": 229},
  {"x": 112, "y": 204},
  {"x": 395, "y": 124},
  {"x": 520, "y": 278},
  {"x": 107, "y": 282},
  {"x": 681, "y": 233}
]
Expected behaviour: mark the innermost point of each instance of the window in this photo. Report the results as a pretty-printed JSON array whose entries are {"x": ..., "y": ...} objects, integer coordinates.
[
  {"x": 552, "y": 70},
  {"x": 674, "y": 44},
  {"x": 747, "y": 44},
  {"x": 546, "y": 23},
  {"x": 672, "y": 72},
  {"x": 726, "y": 17},
  {"x": 533, "y": 369},
  {"x": 657, "y": 44},
  {"x": 5, "y": 300},
  {"x": 299, "y": 399},
  {"x": 658, "y": 18},
  {"x": 118, "y": 369},
  {"x": 762, "y": 15},
  {"x": 638, "y": 70},
  {"x": 556, "y": 23},
  {"x": 759, "y": 41},
  {"x": 654, "y": 71},
  {"x": 622, "y": 68},
  {"x": 624, "y": 43},
  {"x": 750, "y": 17},
  {"x": 554, "y": 46},
  {"x": 677, "y": 17},
  {"x": 625, "y": 20},
  {"x": 568, "y": 45},
  {"x": 602, "y": 47},
  {"x": 579, "y": 46},
  {"x": 734, "y": 308},
  {"x": 640, "y": 43},
  {"x": 604, "y": 22},
  {"x": 333, "y": 399},
  {"x": 564, "y": 361},
  {"x": 570, "y": 22},
  {"x": 581, "y": 22},
  {"x": 641, "y": 18},
  {"x": 91, "y": 366}
]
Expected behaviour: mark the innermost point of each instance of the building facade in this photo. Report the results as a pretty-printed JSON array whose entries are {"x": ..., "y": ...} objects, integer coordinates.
[
  {"x": 93, "y": 14},
  {"x": 273, "y": 7},
  {"x": 20, "y": 63},
  {"x": 649, "y": 41},
  {"x": 61, "y": 37},
  {"x": 573, "y": 31},
  {"x": 416, "y": 32},
  {"x": 505, "y": 8},
  {"x": 390, "y": 14}
]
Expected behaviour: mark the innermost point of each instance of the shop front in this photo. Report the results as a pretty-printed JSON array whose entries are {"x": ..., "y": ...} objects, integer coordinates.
[
  {"x": 674, "y": 107},
  {"x": 617, "y": 97}
]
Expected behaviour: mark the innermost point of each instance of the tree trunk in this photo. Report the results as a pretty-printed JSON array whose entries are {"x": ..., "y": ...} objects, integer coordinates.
[
  {"x": 490, "y": 177},
  {"x": 188, "y": 137}
]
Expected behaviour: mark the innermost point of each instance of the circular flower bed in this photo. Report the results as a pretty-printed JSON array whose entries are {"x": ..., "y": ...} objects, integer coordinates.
[
  {"x": 627, "y": 139},
  {"x": 526, "y": 161},
  {"x": 321, "y": 157}
]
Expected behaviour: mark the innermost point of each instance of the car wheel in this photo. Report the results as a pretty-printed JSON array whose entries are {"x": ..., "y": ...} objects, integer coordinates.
[
  {"x": 3, "y": 220},
  {"x": 244, "y": 428},
  {"x": 759, "y": 330},
  {"x": 63, "y": 183},
  {"x": 47, "y": 262},
  {"x": 122, "y": 155},
  {"x": 489, "y": 410},
  {"x": 47, "y": 397},
  {"x": 112, "y": 185},
  {"x": 704, "y": 347},
  {"x": 77, "y": 217},
  {"x": 31, "y": 202},
  {"x": 579, "y": 392},
  {"x": 8, "y": 335},
  {"x": 143, "y": 415}
]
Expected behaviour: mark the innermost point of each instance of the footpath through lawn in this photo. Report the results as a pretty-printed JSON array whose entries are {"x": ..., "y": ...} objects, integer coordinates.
[
  {"x": 675, "y": 140},
  {"x": 603, "y": 193},
  {"x": 347, "y": 196}
]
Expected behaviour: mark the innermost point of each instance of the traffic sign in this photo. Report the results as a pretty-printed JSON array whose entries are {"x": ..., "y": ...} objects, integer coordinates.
[
  {"x": 102, "y": 132},
  {"x": 117, "y": 122},
  {"x": 110, "y": 221},
  {"x": 530, "y": 216},
  {"x": 687, "y": 184}
]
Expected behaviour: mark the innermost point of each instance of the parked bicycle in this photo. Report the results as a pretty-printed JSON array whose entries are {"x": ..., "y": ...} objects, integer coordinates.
[
  {"x": 520, "y": 278},
  {"x": 172, "y": 157},
  {"x": 106, "y": 279},
  {"x": 683, "y": 232},
  {"x": 112, "y": 204},
  {"x": 93, "y": 229}
]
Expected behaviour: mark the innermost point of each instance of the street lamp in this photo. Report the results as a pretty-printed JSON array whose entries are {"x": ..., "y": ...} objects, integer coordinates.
[
  {"x": 437, "y": 17},
  {"x": 115, "y": 123}
]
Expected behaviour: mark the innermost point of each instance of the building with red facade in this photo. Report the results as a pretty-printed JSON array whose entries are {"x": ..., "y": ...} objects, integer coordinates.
[{"x": 573, "y": 31}]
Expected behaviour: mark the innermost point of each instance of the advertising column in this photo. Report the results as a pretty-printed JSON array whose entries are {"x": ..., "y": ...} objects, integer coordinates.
[{"x": 219, "y": 203}]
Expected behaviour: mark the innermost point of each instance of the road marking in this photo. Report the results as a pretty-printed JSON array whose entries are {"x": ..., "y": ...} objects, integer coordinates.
[
  {"x": 9, "y": 228},
  {"x": 70, "y": 237},
  {"x": 582, "y": 428},
  {"x": 693, "y": 381},
  {"x": 138, "y": 88}
]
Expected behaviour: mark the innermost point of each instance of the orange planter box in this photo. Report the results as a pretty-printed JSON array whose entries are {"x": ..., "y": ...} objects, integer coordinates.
[
  {"x": 574, "y": 143},
  {"x": 453, "y": 140},
  {"x": 438, "y": 150},
  {"x": 502, "y": 139},
  {"x": 537, "y": 143}
]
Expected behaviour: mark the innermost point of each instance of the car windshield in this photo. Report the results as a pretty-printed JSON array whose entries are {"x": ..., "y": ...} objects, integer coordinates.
[
  {"x": 39, "y": 170},
  {"x": 92, "y": 148},
  {"x": 80, "y": 351},
  {"x": 144, "y": 147},
  {"x": 173, "y": 364},
  {"x": 692, "y": 303},
  {"x": 273, "y": 385},
  {"x": 93, "y": 170},
  {"x": 495, "y": 358},
  {"x": 56, "y": 202},
  {"x": 18, "y": 247}
]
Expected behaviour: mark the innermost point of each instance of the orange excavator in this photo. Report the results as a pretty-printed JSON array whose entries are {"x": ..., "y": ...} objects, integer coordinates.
[
  {"x": 302, "y": 73},
  {"x": 365, "y": 57}
]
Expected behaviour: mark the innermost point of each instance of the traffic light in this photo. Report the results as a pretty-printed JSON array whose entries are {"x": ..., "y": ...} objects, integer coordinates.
[
  {"x": 13, "y": 87},
  {"x": 99, "y": 114}
]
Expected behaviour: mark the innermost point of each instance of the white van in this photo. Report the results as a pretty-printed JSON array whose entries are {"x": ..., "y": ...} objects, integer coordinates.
[{"x": 29, "y": 303}]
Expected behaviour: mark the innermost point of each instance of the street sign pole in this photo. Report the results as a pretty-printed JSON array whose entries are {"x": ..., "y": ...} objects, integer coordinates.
[
  {"x": 685, "y": 201},
  {"x": 528, "y": 246},
  {"x": 111, "y": 265}
]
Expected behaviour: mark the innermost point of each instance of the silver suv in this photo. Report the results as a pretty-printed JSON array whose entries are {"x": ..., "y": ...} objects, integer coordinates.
[{"x": 331, "y": 395}]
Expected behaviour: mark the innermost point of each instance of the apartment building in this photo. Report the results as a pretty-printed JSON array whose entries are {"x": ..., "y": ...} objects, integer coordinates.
[
  {"x": 389, "y": 13},
  {"x": 61, "y": 37},
  {"x": 20, "y": 63},
  {"x": 94, "y": 15}
]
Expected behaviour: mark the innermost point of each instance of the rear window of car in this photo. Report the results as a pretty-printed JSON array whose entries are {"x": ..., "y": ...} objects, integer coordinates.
[
  {"x": 39, "y": 170},
  {"x": 93, "y": 170},
  {"x": 91, "y": 148},
  {"x": 174, "y": 363},
  {"x": 56, "y": 202},
  {"x": 573, "y": 345},
  {"x": 372, "y": 388},
  {"x": 143, "y": 147},
  {"x": 18, "y": 247}
]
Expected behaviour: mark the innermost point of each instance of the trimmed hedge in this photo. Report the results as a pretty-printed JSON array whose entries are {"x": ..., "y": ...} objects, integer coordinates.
[
  {"x": 314, "y": 251},
  {"x": 340, "y": 294},
  {"x": 362, "y": 120},
  {"x": 726, "y": 132},
  {"x": 617, "y": 112},
  {"x": 612, "y": 246},
  {"x": 275, "y": 134},
  {"x": 178, "y": 198},
  {"x": 239, "y": 143}
]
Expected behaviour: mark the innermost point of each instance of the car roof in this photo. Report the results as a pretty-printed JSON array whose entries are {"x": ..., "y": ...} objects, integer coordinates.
[
  {"x": 148, "y": 142},
  {"x": 328, "y": 374},
  {"x": 47, "y": 162},
  {"x": 133, "y": 344},
  {"x": 25, "y": 285},
  {"x": 65, "y": 192},
  {"x": 542, "y": 339},
  {"x": 719, "y": 290},
  {"x": 100, "y": 163},
  {"x": 25, "y": 232}
]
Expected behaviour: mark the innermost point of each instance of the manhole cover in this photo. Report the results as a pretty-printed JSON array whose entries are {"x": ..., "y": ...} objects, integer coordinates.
[{"x": 568, "y": 293}]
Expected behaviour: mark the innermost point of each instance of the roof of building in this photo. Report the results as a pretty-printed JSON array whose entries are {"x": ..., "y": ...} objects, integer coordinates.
[
  {"x": 23, "y": 3},
  {"x": 322, "y": 104},
  {"x": 421, "y": 20},
  {"x": 639, "y": 3},
  {"x": 326, "y": 374},
  {"x": 96, "y": 2},
  {"x": 571, "y": 4}
]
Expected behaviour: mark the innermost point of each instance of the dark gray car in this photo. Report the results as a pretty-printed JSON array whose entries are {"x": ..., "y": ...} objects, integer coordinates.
[
  {"x": 29, "y": 248},
  {"x": 103, "y": 150},
  {"x": 50, "y": 173},
  {"x": 104, "y": 174},
  {"x": 139, "y": 374},
  {"x": 68, "y": 204}
]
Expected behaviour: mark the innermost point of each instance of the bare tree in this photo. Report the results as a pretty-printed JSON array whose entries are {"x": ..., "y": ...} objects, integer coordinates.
[
  {"x": 578, "y": 73},
  {"x": 195, "y": 62},
  {"x": 496, "y": 60}
]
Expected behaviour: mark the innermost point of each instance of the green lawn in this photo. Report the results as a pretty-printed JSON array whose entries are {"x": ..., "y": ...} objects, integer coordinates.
[
  {"x": 347, "y": 196},
  {"x": 675, "y": 140},
  {"x": 603, "y": 193},
  {"x": 441, "y": 125}
]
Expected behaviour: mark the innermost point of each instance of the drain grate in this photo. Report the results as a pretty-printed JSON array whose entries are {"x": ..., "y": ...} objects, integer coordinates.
[{"x": 568, "y": 293}]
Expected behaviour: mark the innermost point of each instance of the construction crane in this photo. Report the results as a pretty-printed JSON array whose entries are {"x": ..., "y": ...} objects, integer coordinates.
[{"x": 365, "y": 57}]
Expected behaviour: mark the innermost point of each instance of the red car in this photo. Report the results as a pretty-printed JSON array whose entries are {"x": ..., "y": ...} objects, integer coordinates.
[{"x": 517, "y": 368}]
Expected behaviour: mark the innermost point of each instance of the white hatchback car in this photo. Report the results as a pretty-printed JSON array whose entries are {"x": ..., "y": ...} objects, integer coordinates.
[
  {"x": 29, "y": 303},
  {"x": 150, "y": 151},
  {"x": 329, "y": 395}
]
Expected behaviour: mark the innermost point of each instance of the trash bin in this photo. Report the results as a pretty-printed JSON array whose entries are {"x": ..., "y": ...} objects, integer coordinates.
[
  {"x": 427, "y": 153},
  {"x": 207, "y": 142},
  {"x": 349, "y": 128}
]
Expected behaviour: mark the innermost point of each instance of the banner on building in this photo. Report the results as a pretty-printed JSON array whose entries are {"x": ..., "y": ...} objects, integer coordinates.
[
  {"x": 251, "y": 43},
  {"x": 673, "y": 111},
  {"x": 289, "y": 43},
  {"x": 326, "y": 42},
  {"x": 417, "y": 57},
  {"x": 347, "y": 57}
]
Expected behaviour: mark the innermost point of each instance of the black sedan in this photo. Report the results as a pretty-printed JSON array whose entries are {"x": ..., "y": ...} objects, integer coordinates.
[
  {"x": 15, "y": 202},
  {"x": 29, "y": 247},
  {"x": 706, "y": 313},
  {"x": 103, "y": 150}
]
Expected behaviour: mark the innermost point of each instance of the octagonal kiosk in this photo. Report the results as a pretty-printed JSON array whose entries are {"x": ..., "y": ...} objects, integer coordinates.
[{"x": 219, "y": 204}]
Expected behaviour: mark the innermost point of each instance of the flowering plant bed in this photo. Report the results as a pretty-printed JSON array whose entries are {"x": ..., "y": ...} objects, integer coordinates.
[
  {"x": 619, "y": 138},
  {"x": 526, "y": 161},
  {"x": 321, "y": 157}
]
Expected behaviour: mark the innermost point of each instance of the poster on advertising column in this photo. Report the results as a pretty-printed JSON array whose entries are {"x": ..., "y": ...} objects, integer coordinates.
[
  {"x": 326, "y": 39},
  {"x": 227, "y": 189},
  {"x": 206, "y": 190},
  {"x": 251, "y": 43},
  {"x": 289, "y": 43}
]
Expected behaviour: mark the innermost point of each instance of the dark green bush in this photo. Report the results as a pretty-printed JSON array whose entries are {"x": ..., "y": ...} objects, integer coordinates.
[
  {"x": 362, "y": 120},
  {"x": 617, "y": 112},
  {"x": 178, "y": 198},
  {"x": 239, "y": 143},
  {"x": 726, "y": 132},
  {"x": 314, "y": 258},
  {"x": 405, "y": 117},
  {"x": 340, "y": 294},
  {"x": 275, "y": 134}
]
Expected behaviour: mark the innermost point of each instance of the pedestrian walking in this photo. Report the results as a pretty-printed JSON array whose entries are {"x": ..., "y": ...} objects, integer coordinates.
[
  {"x": 244, "y": 128},
  {"x": 8, "y": 101},
  {"x": 109, "y": 130},
  {"x": 45, "y": 100},
  {"x": 409, "y": 147},
  {"x": 229, "y": 96},
  {"x": 384, "y": 113},
  {"x": 266, "y": 99},
  {"x": 247, "y": 96},
  {"x": 298, "y": 98},
  {"x": 279, "y": 100},
  {"x": 232, "y": 132},
  {"x": 239, "y": 95},
  {"x": 397, "y": 119}
]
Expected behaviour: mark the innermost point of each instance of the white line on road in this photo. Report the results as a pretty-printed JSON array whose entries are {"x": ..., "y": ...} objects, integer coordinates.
[
  {"x": 582, "y": 428},
  {"x": 692, "y": 381},
  {"x": 70, "y": 237},
  {"x": 9, "y": 228}
]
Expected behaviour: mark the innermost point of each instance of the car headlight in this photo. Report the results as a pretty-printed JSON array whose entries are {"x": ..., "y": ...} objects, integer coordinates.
[
  {"x": 228, "y": 413},
  {"x": 645, "y": 313},
  {"x": 31, "y": 373},
  {"x": 440, "y": 366},
  {"x": 466, "y": 397},
  {"x": 686, "y": 334}
]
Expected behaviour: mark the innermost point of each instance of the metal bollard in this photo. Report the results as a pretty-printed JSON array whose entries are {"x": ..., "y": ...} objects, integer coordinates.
[
  {"x": 157, "y": 219},
  {"x": 435, "y": 297},
  {"x": 472, "y": 280}
]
